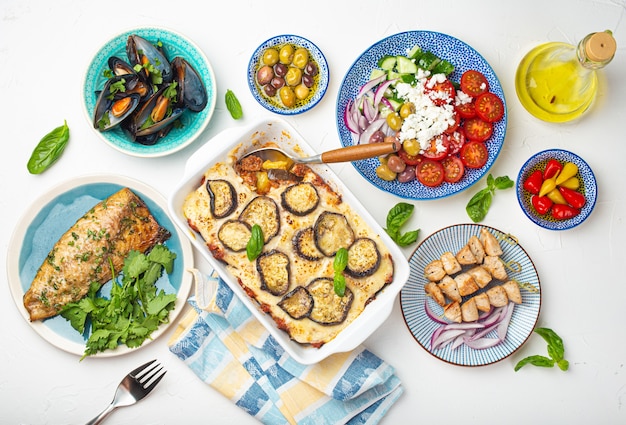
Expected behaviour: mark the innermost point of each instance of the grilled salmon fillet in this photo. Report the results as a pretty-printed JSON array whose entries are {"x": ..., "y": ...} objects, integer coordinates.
[{"x": 103, "y": 236}]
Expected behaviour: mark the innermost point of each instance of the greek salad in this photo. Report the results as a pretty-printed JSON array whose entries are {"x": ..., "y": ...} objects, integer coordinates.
[{"x": 442, "y": 125}]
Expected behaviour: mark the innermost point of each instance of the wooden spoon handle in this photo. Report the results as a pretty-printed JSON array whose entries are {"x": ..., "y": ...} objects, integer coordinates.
[{"x": 353, "y": 153}]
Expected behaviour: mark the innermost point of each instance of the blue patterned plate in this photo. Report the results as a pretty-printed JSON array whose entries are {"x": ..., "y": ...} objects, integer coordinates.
[
  {"x": 463, "y": 57},
  {"x": 413, "y": 297},
  {"x": 585, "y": 176},
  {"x": 174, "y": 45},
  {"x": 321, "y": 80},
  {"x": 51, "y": 216}
]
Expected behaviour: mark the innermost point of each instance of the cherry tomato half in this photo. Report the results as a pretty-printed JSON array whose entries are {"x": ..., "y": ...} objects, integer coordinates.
[
  {"x": 474, "y": 154},
  {"x": 430, "y": 173},
  {"x": 466, "y": 110},
  {"x": 489, "y": 107},
  {"x": 409, "y": 159},
  {"x": 477, "y": 129},
  {"x": 456, "y": 141},
  {"x": 474, "y": 83},
  {"x": 440, "y": 93},
  {"x": 452, "y": 128},
  {"x": 438, "y": 148},
  {"x": 453, "y": 169}
]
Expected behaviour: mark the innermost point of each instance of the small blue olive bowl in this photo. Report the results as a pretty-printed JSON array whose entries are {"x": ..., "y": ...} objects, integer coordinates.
[
  {"x": 588, "y": 188},
  {"x": 273, "y": 104}
]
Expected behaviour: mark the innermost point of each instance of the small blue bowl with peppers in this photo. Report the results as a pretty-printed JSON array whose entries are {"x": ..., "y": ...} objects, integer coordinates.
[{"x": 556, "y": 189}]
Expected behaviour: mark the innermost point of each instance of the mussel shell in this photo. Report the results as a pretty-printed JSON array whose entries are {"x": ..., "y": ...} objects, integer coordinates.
[
  {"x": 136, "y": 126},
  {"x": 137, "y": 47},
  {"x": 119, "y": 66},
  {"x": 192, "y": 91},
  {"x": 105, "y": 102}
]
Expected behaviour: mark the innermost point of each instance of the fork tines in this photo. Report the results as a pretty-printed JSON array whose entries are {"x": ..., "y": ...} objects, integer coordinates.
[{"x": 144, "y": 373}]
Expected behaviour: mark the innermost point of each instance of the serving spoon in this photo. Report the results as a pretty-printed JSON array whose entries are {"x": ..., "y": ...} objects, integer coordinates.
[{"x": 345, "y": 154}]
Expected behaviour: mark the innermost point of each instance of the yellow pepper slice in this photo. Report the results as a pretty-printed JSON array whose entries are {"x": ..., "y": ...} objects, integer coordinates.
[
  {"x": 571, "y": 183},
  {"x": 555, "y": 196},
  {"x": 547, "y": 186},
  {"x": 569, "y": 170}
]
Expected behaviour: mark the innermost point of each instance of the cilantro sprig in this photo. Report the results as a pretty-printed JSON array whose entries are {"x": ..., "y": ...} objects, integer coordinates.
[{"x": 134, "y": 309}]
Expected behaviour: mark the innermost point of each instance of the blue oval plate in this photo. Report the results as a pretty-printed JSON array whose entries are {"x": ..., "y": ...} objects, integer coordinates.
[
  {"x": 51, "y": 216},
  {"x": 413, "y": 297},
  {"x": 588, "y": 188},
  {"x": 463, "y": 57},
  {"x": 319, "y": 89},
  {"x": 193, "y": 123}
]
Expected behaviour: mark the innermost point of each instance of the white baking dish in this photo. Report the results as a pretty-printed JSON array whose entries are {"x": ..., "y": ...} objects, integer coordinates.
[{"x": 278, "y": 130}]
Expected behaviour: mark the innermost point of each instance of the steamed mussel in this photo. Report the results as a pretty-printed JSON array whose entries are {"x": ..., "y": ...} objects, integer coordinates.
[{"x": 147, "y": 94}]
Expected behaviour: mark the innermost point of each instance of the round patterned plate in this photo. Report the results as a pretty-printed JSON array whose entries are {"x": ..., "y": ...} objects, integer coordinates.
[
  {"x": 413, "y": 297},
  {"x": 587, "y": 181},
  {"x": 463, "y": 57},
  {"x": 193, "y": 123},
  {"x": 318, "y": 89}
]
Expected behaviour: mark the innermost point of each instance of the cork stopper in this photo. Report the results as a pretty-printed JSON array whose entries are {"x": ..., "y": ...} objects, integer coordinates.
[{"x": 600, "y": 47}]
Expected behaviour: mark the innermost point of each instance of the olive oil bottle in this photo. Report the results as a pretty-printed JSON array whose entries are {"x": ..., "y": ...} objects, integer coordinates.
[{"x": 557, "y": 82}]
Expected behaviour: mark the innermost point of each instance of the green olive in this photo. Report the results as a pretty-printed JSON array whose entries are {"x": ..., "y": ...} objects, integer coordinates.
[
  {"x": 384, "y": 172},
  {"x": 270, "y": 57},
  {"x": 293, "y": 76},
  {"x": 394, "y": 121},
  {"x": 287, "y": 96},
  {"x": 407, "y": 109},
  {"x": 301, "y": 91},
  {"x": 411, "y": 146},
  {"x": 300, "y": 57},
  {"x": 286, "y": 54}
]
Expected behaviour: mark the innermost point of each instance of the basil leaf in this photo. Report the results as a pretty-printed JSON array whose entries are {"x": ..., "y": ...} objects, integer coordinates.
[
  {"x": 233, "y": 105},
  {"x": 478, "y": 206},
  {"x": 407, "y": 239},
  {"x": 339, "y": 264},
  {"x": 398, "y": 215},
  {"x": 396, "y": 218},
  {"x": 49, "y": 149},
  {"x": 556, "y": 350},
  {"x": 255, "y": 243},
  {"x": 339, "y": 284},
  {"x": 540, "y": 361},
  {"x": 341, "y": 260},
  {"x": 503, "y": 182}
]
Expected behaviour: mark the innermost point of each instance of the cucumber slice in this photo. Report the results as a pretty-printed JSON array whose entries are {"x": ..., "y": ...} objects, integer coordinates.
[
  {"x": 405, "y": 65},
  {"x": 376, "y": 72},
  {"x": 414, "y": 52},
  {"x": 387, "y": 62}
]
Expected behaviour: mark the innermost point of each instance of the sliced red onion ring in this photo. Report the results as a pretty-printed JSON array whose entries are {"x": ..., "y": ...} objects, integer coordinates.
[{"x": 370, "y": 85}]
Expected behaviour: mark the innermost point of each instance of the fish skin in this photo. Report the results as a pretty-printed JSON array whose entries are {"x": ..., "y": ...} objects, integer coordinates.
[{"x": 104, "y": 235}]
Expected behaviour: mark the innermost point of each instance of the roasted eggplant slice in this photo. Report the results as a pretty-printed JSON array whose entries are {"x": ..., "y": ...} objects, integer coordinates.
[
  {"x": 234, "y": 234},
  {"x": 363, "y": 258},
  {"x": 263, "y": 211},
  {"x": 273, "y": 268},
  {"x": 298, "y": 303},
  {"x": 223, "y": 198},
  {"x": 332, "y": 232},
  {"x": 304, "y": 245},
  {"x": 328, "y": 307},
  {"x": 300, "y": 199}
]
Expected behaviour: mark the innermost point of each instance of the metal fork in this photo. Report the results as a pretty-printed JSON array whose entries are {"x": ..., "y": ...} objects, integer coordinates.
[{"x": 135, "y": 386}]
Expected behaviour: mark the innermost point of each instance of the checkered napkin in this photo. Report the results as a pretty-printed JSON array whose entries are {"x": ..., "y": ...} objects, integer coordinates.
[{"x": 227, "y": 347}]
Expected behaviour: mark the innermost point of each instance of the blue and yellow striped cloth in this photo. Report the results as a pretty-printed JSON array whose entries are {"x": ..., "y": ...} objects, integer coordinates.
[{"x": 215, "y": 342}]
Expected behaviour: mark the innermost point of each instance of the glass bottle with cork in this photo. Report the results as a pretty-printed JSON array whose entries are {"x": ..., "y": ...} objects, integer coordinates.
[{"x": 557, "y": 82}]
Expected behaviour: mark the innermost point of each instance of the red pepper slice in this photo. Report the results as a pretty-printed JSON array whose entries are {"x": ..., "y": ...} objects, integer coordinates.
[
  {"x": 533, "y": 182},
  {"x": 542, "y": 204},
  {"x": 564, "y": 211},
  {"x": 553, "y": 167},
  {"x": 575, "y": 199}
]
